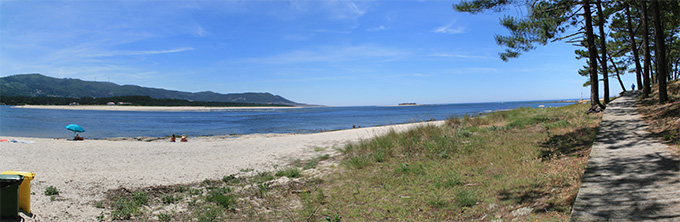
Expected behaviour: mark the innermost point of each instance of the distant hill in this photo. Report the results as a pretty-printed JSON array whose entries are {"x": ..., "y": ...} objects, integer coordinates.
[{"x": 38, "y": 85}]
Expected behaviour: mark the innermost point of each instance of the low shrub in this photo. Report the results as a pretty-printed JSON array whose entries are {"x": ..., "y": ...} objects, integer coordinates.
[{"x": 51, "y": 190}]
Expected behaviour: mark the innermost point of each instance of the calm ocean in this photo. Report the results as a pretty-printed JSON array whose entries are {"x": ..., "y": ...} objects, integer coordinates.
[{"x": 46, "y": 123}]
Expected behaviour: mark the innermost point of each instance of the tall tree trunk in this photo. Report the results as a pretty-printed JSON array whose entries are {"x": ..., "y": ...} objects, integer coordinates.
[
  {"x": 662, "y": 67},
  {"x": 633, "y": 47},
  {"x": 646, "y": 88},
  {"x": 618, "y": 76},
  {"x": 603, "y": 45},
  {"x": 596, "y": 106}
]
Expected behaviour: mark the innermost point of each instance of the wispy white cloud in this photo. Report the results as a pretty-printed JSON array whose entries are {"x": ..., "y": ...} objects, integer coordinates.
[
  {"x": 366, "y": 53},
  {"x": 471, "y": 70},
  {"x": 379, "y": 28},
  {"x": 344, "y": 9},
  {"x": 455, "y": 55},
  {"x": 200, "y": 31},
  {"x": 449, "y": 28},
  {"x": 88, "y": 53},
  {"x": 332, "y": 31},
  {"x": 296, "y": 37},
  {"x": 411, "y": 75},
  {"x": 151, "y": 52},
  {"x": 334, "y": 9},
  {"x": 355, "y": 9}
]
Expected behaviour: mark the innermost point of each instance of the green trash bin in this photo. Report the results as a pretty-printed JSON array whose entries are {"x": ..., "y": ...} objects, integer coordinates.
[{"x": 9, "y": 195}]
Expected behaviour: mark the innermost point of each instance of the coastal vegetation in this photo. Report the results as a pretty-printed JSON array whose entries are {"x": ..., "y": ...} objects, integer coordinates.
[
  {"x": 119, "y": 100},
  {"x": 518, "y": 164}
]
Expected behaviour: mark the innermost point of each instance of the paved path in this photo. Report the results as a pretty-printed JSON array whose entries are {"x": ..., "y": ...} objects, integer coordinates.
[{"x": 630, "y": 176}]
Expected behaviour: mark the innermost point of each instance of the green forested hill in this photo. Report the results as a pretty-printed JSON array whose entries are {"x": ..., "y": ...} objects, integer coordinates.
[{"x": 38, "y": 85}]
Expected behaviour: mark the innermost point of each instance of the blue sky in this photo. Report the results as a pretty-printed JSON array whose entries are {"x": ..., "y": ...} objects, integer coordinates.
[{"x": 339, "y": 53}]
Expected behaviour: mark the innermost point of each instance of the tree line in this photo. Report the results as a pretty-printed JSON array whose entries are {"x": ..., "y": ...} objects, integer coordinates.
[
  {"x": 632, "y": 36},
  {"x": 125, "y": 100}
]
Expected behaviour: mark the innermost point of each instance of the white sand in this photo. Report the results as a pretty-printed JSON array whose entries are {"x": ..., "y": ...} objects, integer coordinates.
[
  {"x": 147, "y": 108},
  {"x": 84, "y": 170}
]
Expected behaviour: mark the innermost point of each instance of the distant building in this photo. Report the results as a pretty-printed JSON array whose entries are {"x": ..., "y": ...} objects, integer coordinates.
[
  {"x": 110, "y": 103},
  {"x": 74, "y": 103},
  {"x": 124, "y": 103}
]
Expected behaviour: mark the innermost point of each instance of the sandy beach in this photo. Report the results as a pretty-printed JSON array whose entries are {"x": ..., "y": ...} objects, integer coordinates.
[
  {"x": 146, "y": 108},
  {"x": 84, "y": 170}
]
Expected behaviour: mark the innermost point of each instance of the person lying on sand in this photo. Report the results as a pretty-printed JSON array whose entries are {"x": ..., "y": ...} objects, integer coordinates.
[{"x": 184, "y": 138}]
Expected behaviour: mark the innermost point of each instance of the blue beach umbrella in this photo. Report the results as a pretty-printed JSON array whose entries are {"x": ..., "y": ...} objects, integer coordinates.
[{"x": 75, "y": 128}]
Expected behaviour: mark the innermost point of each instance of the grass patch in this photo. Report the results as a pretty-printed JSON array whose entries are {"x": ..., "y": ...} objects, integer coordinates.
[
  {"x": 169, "y": 199},
  {"x": 507, "y": 159},
  {"x": 262, "y": 177},
  {"x": 127, "y": 206},
  {"x": 164, "y": 217},
  {"x": 291, "y": 172},
  {"x": 357, "y": 162},
  {"x": 208, "y": 214},
  {"x": 51, "y": 190},
  {"x": 245, "y": 170},
  {"x": 466, "y": 198},
  {"x": 449, "y": 181},
  {"x": 221, "y": 197},
  {"x": 405, "y": 168}
]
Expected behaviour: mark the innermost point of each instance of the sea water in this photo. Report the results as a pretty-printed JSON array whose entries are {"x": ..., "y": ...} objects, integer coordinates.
[{"x": 49, "y": 123}]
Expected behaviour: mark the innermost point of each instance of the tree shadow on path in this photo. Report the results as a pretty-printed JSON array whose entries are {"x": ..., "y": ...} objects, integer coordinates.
[{"x": 630, "y": 176}]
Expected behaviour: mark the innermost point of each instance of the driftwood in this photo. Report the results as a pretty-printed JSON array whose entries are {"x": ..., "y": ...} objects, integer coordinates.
[{"x": 595, "y": 109}]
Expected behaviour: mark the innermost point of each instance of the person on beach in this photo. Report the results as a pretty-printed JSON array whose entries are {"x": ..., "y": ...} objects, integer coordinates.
[
  {"x": 633, "y": 86},
  {"x": 184, "y": 138},
  {"x": 77, "y": 137},
  {"x": 173, "y": 138}
]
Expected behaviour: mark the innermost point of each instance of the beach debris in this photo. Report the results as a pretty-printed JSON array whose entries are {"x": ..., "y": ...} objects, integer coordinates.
[
  {"x": 522, "y": 211},
  {"x": 22, "y": 141}
]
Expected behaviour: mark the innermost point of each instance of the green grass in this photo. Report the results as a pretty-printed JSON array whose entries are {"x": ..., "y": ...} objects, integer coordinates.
[
  {"x": 449, "y": 181},
  {"x": 222, "y": 197},
  {"x": 289, "y": 172},
  {"x": 168, "y": 199},
  {"x": 208, "y": 214},
  {"x": 262, "y": 177},
  {"x": 51, "y": 190},
  {"x": 164, "y": 217},
  {"x": 231, "y": 179},
  {"x": 127, "y": 206},
  {"x": 466, "y": 198},
  {"x": 522, "y": 157}
]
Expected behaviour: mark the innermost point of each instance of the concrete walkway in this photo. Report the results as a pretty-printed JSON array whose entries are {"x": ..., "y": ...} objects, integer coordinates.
[{"x": 630, "y": 176}]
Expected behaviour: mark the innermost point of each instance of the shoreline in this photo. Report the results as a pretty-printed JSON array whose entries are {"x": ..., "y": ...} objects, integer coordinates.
[
  {"x": 215, "y": 137},
  {"x": 148, "y": 108}
]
